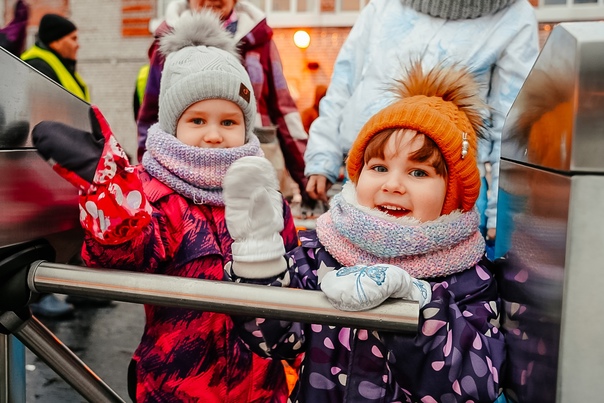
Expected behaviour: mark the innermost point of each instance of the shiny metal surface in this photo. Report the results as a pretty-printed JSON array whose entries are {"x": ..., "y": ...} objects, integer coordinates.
[
  {"x": 550, "y": 221},
  {"x": 557, "y": 120},
  {"x": 35, "y": 336},
  {"x": 36, "y": 202},
  {"x": 218, "y": 296}
]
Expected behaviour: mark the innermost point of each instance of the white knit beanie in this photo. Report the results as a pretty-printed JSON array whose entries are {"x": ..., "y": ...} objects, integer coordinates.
[{"x": 202, "y": 63}]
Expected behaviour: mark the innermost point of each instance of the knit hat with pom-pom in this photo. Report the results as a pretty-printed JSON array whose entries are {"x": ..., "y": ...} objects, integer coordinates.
[
  {"x": 444, "y": 105},
  {"x": 202, "y": 63}
]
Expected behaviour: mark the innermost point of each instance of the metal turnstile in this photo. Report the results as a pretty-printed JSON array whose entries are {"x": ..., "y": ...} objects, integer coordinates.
[
  {"x": 39, "y": 225},
  {"x": 551, "y": 223}
]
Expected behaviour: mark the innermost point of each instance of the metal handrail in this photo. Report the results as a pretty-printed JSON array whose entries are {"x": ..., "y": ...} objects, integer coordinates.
[{"x": 217, "y": 296}]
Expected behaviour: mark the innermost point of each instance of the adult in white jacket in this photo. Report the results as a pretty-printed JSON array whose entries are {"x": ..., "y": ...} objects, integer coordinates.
[{"x": 496, "y": 39}]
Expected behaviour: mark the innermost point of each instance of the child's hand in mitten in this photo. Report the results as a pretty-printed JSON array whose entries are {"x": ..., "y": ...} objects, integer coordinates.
[
  {"x": 254, "y": 217},
  {"x": 113, "y": 207},
  {"x": 363, "y": 287}
]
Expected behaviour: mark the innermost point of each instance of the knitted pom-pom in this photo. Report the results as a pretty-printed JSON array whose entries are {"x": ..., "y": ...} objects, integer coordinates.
[
  {"x": 453, "y": 84},
  {"x": 202, "y": 28}
]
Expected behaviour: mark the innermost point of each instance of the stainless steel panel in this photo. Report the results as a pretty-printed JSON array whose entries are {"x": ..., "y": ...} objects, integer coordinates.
[
  {"x": 36, "y": 202},
  {"x": 581, "y": 363},
  {"x": 531, "y": 279},
  {"x": 556, "y": 121},
  {"x": 550, "y": 224}
]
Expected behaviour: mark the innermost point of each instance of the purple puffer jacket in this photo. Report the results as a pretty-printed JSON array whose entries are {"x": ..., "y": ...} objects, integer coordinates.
[{"x": 456, "y": 356}]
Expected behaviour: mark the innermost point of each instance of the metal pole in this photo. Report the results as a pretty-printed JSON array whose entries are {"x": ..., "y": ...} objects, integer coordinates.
[
  {"x": 217, "y": 296},
  {"x": 35, "y": 336}
]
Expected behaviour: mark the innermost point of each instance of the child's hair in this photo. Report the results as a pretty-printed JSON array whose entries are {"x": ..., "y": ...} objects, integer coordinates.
[
  {"x": 445, "y": 106},
  {"x": 428, "y": 152},
  {"x": 202, "y": 63}
]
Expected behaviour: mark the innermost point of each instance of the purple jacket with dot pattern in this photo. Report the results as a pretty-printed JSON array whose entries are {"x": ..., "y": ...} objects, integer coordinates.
[{"x": 456, "y": 355}]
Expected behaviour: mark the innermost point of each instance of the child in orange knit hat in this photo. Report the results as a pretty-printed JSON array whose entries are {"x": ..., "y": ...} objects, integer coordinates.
[{"x": 405, "y": 226}]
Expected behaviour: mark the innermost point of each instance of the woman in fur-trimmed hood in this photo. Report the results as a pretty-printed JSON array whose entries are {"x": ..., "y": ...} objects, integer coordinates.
[
  {"x": 277, "y": 112},
  {"x": 405, "y": 226}
]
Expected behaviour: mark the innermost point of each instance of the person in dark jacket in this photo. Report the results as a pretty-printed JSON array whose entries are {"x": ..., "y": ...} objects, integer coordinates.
[
  {"x": 166, "y": 216},
  {"x": 278, "y": 119},
  {"x": 55, "y": 54},
  {"x": 405, "y": 226}
]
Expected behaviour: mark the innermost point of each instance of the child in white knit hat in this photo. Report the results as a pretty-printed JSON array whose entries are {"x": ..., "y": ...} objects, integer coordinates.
[{"x": 167, "y": 216}]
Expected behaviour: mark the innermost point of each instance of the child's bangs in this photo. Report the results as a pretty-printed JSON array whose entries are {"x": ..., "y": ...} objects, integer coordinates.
[{"x": 429, "y": 151}]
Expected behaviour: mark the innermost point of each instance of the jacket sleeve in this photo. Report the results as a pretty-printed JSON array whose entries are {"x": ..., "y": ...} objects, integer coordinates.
[
  {"x": 274, "y": 338},
  {"x": 324, "y": 155},
  {"x": 151, "y": 247},
  {"x": 284, "y": 113},
  {"x": 149, "y": 109},
  {"x": 511, "y": 69},
  {"x": 458, "y": 350}
]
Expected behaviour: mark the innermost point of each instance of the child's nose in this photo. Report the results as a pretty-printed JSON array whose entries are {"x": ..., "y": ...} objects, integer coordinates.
[
  {"x": 394, "y": 183},
  {"x": 212, "y": 135}
]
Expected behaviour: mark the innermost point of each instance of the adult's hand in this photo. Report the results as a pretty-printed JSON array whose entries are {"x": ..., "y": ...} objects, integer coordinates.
[{"x": 317, "y": 187}]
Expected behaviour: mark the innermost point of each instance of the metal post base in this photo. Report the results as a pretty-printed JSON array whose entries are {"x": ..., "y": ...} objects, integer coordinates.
[{"x": 44, "y": 344}]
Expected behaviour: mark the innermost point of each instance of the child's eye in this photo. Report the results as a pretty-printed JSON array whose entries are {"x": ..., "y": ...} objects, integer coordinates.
[
  {"x": 379, "y": 168},
  {"x": 197, "y": 121},
  {"x": 418, "y": 173},
  {"x": 228, "y": 122}
]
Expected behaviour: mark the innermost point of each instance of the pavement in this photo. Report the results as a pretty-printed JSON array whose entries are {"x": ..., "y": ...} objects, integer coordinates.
[{"x": 104, "y": 338}]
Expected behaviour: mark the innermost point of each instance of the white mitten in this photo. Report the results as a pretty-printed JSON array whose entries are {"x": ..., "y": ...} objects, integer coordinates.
[
  {"x": 254, "y": 217},
  {"x": 363, "y": 287}
]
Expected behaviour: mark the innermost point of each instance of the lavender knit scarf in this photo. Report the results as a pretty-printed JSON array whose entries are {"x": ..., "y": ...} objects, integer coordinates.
[
  {"x": 357, "y": 235},
  {"x": 193, "y": 172}
]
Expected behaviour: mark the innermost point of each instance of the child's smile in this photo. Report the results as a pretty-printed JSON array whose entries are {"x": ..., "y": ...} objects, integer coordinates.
[
  {"x": 395, "y": 211},
  {"x": 400, "y": 186}
]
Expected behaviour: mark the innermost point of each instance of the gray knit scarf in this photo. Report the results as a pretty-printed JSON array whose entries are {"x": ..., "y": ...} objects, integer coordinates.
[
  {"x": 354, "y": 234},
  {"x": 457, "y": 9},
  {"x": 194, "y": 172}
]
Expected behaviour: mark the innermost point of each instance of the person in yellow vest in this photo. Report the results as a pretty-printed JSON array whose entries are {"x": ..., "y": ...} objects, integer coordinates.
[
  {"x": 55, "y": 54},
  {"x": 139, "y": 89}
]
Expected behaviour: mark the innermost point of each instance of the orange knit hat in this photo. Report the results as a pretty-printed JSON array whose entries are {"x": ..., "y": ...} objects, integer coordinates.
[{"x": 443, "y": 104}]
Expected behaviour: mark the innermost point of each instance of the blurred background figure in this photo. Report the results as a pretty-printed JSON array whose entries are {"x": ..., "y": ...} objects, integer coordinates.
[
  {"x": 55, "y": 54},
  {"x": 312, "y": 112},
  {"x": 139, "y": 89},
  {"x": 12, "y": 36}
]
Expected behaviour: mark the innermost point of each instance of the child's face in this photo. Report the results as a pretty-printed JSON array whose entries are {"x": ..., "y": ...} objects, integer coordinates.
[
  {"x": 222, "y": 7},
  {"x": 212, "y": 123},
  {"x": 400, "y": 186}
]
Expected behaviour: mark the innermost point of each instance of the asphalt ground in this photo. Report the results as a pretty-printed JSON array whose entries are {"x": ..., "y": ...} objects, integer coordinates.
[{"x": 103, "y": 338}]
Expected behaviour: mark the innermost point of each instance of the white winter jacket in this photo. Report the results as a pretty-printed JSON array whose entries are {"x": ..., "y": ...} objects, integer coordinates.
[{"x": 500, "y": 49}]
